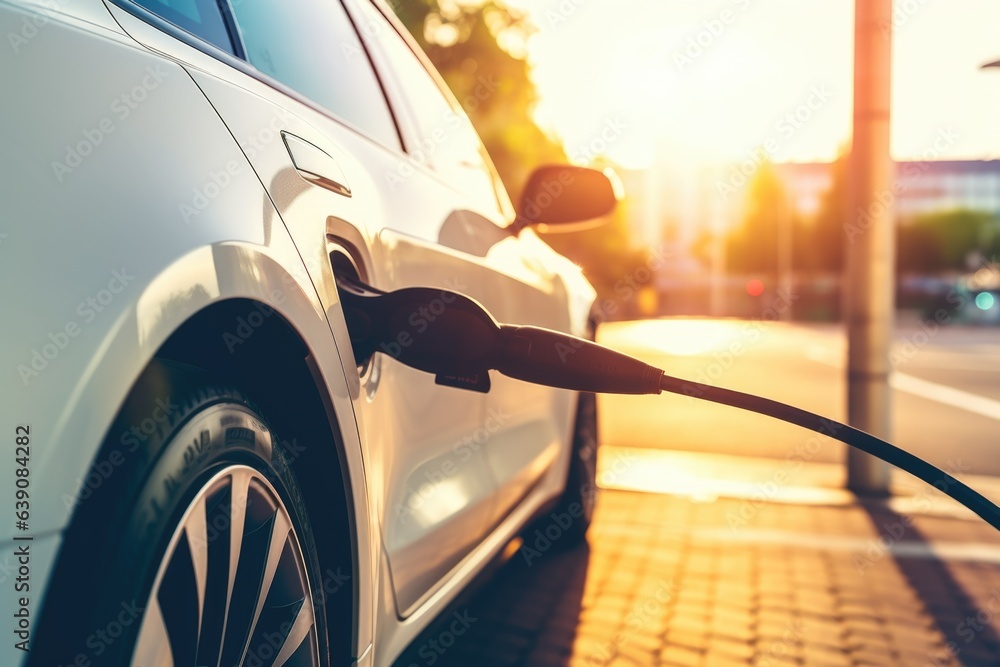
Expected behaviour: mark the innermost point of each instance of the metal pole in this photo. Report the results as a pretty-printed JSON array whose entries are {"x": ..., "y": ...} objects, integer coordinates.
[{"x": 870, "y": 281}]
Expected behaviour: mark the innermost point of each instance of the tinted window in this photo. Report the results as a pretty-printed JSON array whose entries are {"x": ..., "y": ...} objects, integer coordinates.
[
  {"x": 311, "y": 46},
  {"x": 446, "y": 140},
  {"x": 199, "y": 17}
]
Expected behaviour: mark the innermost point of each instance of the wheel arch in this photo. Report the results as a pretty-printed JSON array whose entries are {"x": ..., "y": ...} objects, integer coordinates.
[
  {"x": 297, "y": 381},
  {"x": 276, "y": 368}
]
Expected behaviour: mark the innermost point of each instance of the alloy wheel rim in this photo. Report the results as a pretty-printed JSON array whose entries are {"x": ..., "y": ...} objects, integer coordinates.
[{"x": 232, "y": 588}]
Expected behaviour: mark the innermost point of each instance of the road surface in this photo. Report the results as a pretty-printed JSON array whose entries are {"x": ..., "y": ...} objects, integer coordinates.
[{"x": 946, "y": 389}]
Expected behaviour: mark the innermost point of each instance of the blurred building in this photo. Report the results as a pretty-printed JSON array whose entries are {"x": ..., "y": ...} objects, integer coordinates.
[
  {"x": 922, "y": 187},
  {"x": 689, "y": 212}
]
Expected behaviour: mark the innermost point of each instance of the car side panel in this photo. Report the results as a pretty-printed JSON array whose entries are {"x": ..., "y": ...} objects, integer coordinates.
[
  {"x": 99, "y": 263},
  {"x": 525, "y": 433},
  {"x": 433, "y": 504}
]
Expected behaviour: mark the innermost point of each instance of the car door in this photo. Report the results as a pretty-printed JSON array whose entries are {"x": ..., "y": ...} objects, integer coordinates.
[
  {"x": 309, "y": 114},
  {"x": 525, "y": 426}
]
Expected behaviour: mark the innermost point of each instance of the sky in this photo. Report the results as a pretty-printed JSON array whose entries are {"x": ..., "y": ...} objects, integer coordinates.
[{"x": 705, "y": 82}]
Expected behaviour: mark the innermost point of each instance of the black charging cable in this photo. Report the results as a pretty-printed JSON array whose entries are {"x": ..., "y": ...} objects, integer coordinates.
[
  {"x": 849, "y": 435},
  {"x": 455, "y": 338}
]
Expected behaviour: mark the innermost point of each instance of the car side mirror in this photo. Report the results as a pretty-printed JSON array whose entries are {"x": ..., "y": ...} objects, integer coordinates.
[{"x": 562, "y": 198}]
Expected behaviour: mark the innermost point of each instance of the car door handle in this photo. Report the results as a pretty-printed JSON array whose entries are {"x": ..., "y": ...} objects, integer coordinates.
[{"x": 315, "y": 165}]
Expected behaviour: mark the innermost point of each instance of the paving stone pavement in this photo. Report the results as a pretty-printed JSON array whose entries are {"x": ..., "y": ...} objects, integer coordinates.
[{"x": 675, "y": 581}]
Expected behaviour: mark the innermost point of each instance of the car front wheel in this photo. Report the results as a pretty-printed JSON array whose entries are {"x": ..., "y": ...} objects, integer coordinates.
[
  {"x": 195, "y": 550},
  {"x": 233, "y": 582}
]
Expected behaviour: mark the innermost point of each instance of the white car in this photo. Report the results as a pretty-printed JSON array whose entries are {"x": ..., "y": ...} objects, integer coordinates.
[{"x": 201, "y": 470}]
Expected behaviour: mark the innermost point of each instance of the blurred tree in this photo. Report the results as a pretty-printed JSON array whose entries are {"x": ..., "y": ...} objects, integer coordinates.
[
  {"x": 823, "y": 241},
  {"x": 947, "y": 240},
  {"x": 753, "y": 245},
  {"x": 480, "y": 50},
  {"x": 605, "y": 253},
  {"x": 928, "y": 243},
  {"x": 918, "y": 250}
]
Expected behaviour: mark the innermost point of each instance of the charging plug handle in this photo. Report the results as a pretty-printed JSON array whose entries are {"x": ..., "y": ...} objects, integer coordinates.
[
  {"x": 449, "y": 334},
  {"x": 556, "y": 359},
  {"x": 433, "y": 330}
]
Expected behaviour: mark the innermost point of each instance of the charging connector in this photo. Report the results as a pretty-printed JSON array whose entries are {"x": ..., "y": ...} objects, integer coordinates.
[
  {"x": 462, "y": 342},
  {"x": 452, "y": 336}
]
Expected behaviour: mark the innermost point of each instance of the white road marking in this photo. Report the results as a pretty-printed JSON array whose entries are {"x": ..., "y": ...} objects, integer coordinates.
[
  {"x": 933, "y": 391},
  {"x": 959, "y": 363},
  {"x": 963, "y": 400}
]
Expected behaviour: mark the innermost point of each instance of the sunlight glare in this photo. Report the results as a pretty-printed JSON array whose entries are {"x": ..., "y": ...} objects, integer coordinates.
[{"x": 678, "y": 337}]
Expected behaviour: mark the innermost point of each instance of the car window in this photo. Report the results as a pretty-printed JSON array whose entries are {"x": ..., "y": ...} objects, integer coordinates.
[
  {"x": 201, "y": 18},
  {"x": 446, "y": 140},
  {"x": 312, "y": 47}
]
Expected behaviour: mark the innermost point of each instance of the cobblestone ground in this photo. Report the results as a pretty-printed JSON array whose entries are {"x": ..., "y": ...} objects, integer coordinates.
[{"x": 667, "y": 580}]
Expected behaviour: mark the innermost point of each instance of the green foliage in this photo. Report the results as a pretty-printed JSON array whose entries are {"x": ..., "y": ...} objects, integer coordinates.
[
  {"x": 492, "y": 83},
  {"x": 753, "y": 245},
  {"x": 817, "y": 244},
  {"x": 604, "y": 253},
  {"x": 821, "y": 245},
  {"x": 947, "y": 240},
  {"x": 927, "y": 244},
  {"x": 478, "y": 49}
]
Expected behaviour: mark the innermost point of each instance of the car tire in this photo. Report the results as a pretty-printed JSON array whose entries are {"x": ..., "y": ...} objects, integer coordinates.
[{"x": 155, "y": 561}]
